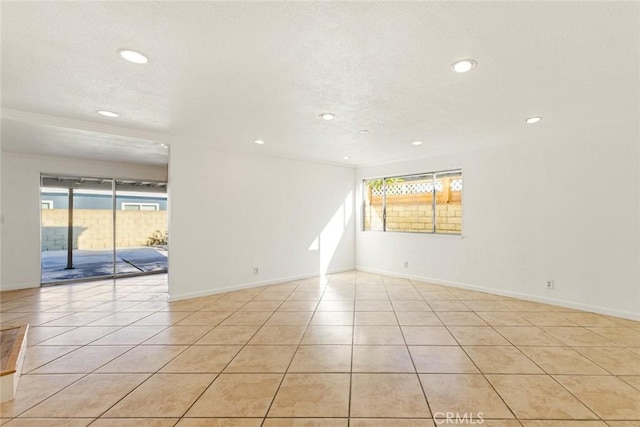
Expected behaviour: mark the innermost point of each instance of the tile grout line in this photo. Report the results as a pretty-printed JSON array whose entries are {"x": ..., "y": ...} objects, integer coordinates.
[
  {"x": 415, "y": 368},
  {"x": 294, "y": 352},
  {"x": 546, "y": 374},
  {"x": 83, "y": 375},
  {"x": 353, "y": 340},
  {"x": 157, "y": 371},
  {"x": 515, "y": 417},
  {"x": 150, "y": 375},
  {"x": 455, "y": 296},
  {"x": 237, "y": 310}
]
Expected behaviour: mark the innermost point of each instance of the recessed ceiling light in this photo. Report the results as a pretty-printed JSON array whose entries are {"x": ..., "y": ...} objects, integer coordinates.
[
  {"x": 327, "y": 116},
  {"x": 363, "y": 131},
  {"x": 133, "y": 56},
  {"x": 259, "y": 141},
  {"x": 417, "y": 142},
  {"x": 345, "y": 157},
  {"x": 107, "y": 113},
  {"x": 464, "y": 65},
  {"x": 532, "y": 120}
]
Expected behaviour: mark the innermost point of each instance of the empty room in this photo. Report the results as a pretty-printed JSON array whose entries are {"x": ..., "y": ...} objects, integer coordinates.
[{"x": 344, "y": 214}]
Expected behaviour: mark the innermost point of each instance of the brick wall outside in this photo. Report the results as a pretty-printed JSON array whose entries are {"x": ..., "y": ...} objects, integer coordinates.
[{"x": 92, "y": 228}]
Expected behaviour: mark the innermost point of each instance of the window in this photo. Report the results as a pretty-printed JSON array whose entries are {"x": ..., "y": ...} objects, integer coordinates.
[
  {"x": 140, "y": 206},
  {"x": 448, "y": 202},
  {"x": 47, "y": 204},
  {"x": 422, "y": 203},
  {"x": 373, "y": 204}
]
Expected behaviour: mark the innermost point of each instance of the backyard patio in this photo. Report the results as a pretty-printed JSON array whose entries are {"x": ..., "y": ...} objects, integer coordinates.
[{"x": 99, "y": 262}]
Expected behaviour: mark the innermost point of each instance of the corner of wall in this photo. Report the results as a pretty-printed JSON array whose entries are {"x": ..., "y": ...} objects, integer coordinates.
[{"x": 1, "y": 219}]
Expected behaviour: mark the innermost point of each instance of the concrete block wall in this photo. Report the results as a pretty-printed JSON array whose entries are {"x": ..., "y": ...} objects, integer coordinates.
[
  {"x": 133, "y": 228},
  {"x": 54, "y": 229},
  {"x": 92, "y": 228},
  {"x": 409, "y": 217},
  {"x": 414, "y": 213}
]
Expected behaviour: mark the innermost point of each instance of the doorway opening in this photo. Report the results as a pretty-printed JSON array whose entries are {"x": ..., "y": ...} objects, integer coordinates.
[{"x": 101, "y": 228}]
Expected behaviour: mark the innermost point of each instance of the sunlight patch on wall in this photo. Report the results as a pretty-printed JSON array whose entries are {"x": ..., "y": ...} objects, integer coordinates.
[{"x": 331, "y": 235}]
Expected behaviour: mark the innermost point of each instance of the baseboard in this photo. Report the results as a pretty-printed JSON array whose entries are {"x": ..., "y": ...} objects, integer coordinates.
[
  {"x": 249, "y": 285},
  {"x": 535, "y": 298},
  {"x": 18, "y": 286}
]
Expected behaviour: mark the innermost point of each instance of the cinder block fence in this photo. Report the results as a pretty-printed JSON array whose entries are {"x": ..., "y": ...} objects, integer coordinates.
[{"x": 92, "y": 228}]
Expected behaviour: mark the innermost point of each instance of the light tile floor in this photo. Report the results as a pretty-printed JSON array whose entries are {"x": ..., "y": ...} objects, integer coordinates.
[{"x": 351, "y": 349}]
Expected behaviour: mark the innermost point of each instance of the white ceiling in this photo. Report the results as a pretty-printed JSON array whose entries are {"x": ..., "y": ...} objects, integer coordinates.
[
  {"x": 224, "y": 74},
  {"x": 26, "y": 134}
]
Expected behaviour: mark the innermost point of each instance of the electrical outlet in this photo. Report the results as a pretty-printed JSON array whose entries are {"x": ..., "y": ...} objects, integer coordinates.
[
  {"x": 256, "y": 271},
  {"x": 549, "y": 284},
  {"x": 406, "y": 264}
]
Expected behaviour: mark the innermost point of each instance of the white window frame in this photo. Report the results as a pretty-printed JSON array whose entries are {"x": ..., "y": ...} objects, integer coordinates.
[
  {"x": 49, "y": 204},
  {"x": 156, "y": 205},
  {"x": 434, "y": 175}
]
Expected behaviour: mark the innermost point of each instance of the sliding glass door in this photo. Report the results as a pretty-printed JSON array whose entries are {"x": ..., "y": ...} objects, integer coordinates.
[
  {"x": 95, "y": 228},
  {"x": 141, "y": 227},
  {"x": 76, "y": 228}
]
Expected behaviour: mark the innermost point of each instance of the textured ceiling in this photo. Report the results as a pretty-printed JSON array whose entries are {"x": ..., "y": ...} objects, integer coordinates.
[
  {"x": 224, "y": 74},
  {"x": 34, "y": 138}
]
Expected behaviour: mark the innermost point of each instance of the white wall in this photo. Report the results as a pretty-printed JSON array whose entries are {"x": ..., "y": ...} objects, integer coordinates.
[
  {"x": 539, "y": 210},
  {"x": 233, "y": 211},
  {"x": 533, "y": 211},
  {"x": 1, "y": 219},
  {"x": 21, "y": 207}
]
